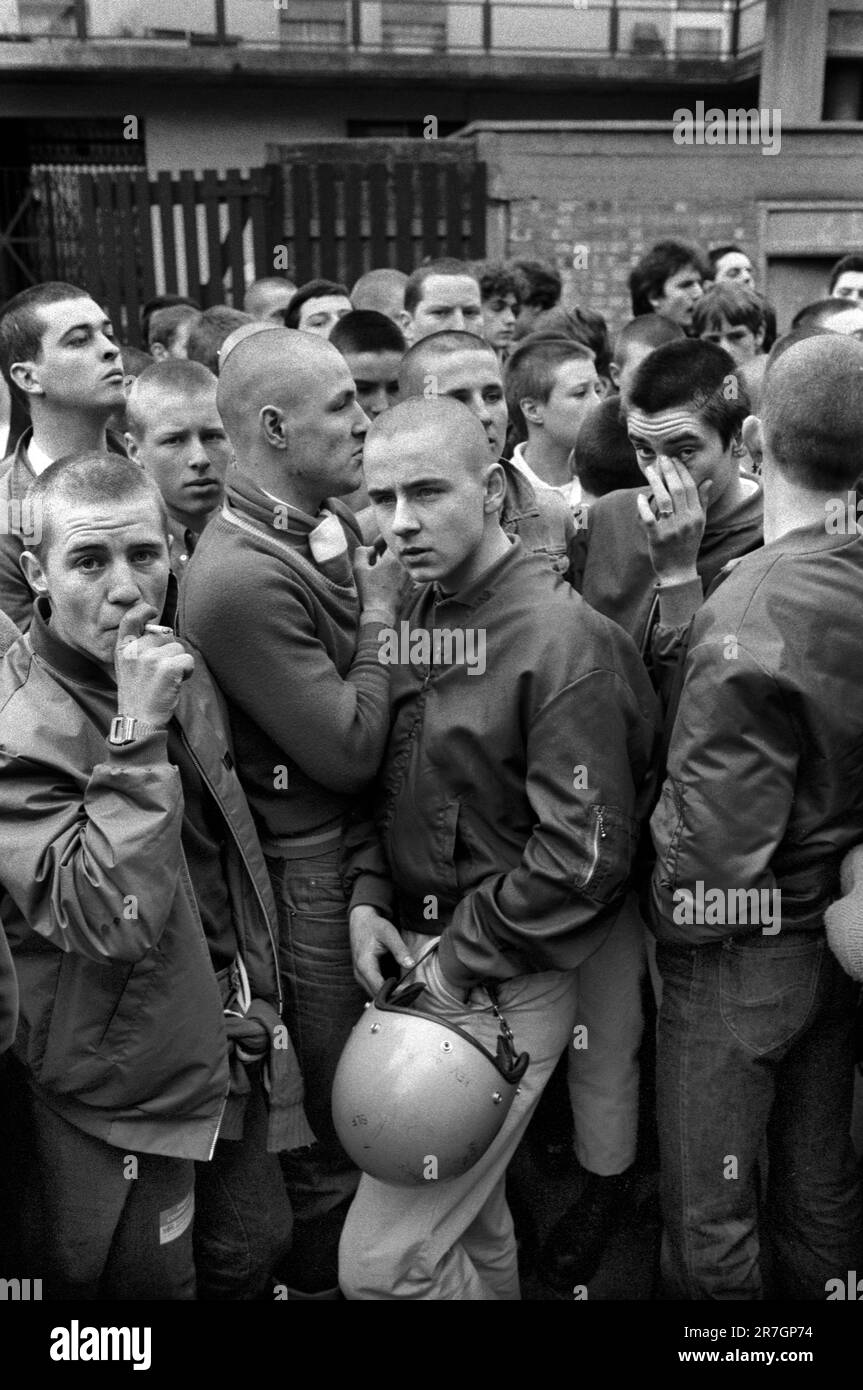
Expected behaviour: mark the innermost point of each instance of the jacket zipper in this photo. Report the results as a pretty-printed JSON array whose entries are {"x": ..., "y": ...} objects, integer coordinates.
[
  {"x": 598, "y": 834},
  {"x": 246, "y": 865}
]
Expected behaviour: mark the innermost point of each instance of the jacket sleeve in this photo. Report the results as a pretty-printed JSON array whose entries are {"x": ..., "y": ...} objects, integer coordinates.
[
  {"x": 588, "y": 755},
  {"x": 732, "y": 767},
  {"x": 16, "y": 596},
  {"x": 8, "y": 995},
  {"x": 267, "y": 656},
  {"x": 364, "y": 863},
  {"x": 95, "y": 875}
]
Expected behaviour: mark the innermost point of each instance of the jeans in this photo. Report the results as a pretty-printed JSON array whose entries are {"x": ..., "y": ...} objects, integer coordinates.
[
  {"x": 322, "y": 1003},
  {"x": 755, "y": 1055},
  {"x": 454, "y": 1240},
  {"x": 243, "y": 1216}
]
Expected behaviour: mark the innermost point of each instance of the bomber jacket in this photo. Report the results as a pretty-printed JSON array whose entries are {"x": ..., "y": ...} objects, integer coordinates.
[
  {"x": 121, "y": 1027},
  {"x": 765, "y": 768},
  {"x": 508, "y": 802},
  {"x": 16, "y": 475}
]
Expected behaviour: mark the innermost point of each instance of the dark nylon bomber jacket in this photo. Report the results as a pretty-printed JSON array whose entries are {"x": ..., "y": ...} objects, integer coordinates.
[
  {"x": 121, "y": 1027},
  {"x": 765, "y": 767},
  {"x": 481, "y": 805}
]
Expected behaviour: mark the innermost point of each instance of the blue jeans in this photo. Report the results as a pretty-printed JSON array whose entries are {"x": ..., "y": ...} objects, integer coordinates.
[
  {"x": 322, "y": 1003},
  {"x": 755, "y": 1056}
]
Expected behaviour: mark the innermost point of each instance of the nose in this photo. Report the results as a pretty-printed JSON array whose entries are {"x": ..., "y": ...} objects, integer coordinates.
[
  {"x": 200, "y": 463},
  {"x": 508, "y": 317},
  {"x": 361, "y": 421},
  {"x": 457, "y": 320},
  {"x": 696, "y": 292},
  {"x": 377, "y": 403},
  {"x": 110, "y": 350},
  {"x": 123, "y": 586},
  {"x": 404, "y": 521}
]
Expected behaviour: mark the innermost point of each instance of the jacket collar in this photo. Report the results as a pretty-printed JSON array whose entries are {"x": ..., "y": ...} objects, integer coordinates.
[{"x": 474, "y": 593}]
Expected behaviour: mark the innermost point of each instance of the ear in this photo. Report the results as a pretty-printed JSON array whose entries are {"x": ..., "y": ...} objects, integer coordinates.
[
  {"x": 495, "y": 488},
  {"x": 654, "y": 300},
  {"x": 614, "y": 373},
  {"x": 759, "y": 336},
  {"x": 752, "y": 434},
  {"x": 159, "y": 352},
  {"x": 532, "y": 410},
  {"x": 31, "y": 566},
  {"x": 26, "y": 376},
  {"x": 406, "y": 324},
  {"x": 131, "y": 444},
  {"x": 273, "y": 426}
]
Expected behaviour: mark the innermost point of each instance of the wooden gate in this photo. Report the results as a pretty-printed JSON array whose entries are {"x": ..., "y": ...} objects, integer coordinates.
[
  {"x": 355, "y": 205},
  {"x": 205, "y": 236}
]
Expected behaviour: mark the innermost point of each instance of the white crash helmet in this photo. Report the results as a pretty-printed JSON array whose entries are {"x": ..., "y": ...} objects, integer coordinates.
[{"x": 416, "y": 1099}]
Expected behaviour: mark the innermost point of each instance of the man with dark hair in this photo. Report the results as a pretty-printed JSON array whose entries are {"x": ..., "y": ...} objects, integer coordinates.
[
  {"x": 163, "y": 301},
  {"x": 382, "y": 291},
  {"x": 846, "y": 278},
  {"x": 373, "y": 348},
  {"x": 762, "y": 799},
  {"x": 539, "y": 288},
  {"x": 635, "y": 341},
  {"x": 209, "y": 331},
  {"x": 498, "y": 294},
  {"x": 528, "y": 885},
  {"x": 668, "y": 281},
  {"x": 731, "y": 316},
  {"x": 317, "y": 307},
  {"x": 466, "y": 368},
  {"x": 269, "y": 297},
  {"x": 289, "y": 632},
  {"x": 140, "y": 916},
  {"x": 440, "y": 295},
  {"x": 168, "y": 333},
  {"x": 834, "y": 315},
  {"x": 730, "y": 263},
  {"x": 58, "y": 352},
  {"x": 604, "y": 457},
  {"x": 174, "y": 431}
]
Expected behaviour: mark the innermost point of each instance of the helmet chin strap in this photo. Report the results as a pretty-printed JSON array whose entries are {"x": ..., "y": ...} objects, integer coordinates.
[{"x": 511, "y": 1064}]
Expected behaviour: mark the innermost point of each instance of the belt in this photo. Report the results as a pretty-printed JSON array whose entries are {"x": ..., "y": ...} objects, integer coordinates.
[{"x": 299, "y": 846}]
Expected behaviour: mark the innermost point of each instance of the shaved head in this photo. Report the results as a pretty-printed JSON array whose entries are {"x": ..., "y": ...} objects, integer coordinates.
[
  {"x": 420, "y": 359},
  {"x": 381, "y": 290},
  {"x": 441, "y": 424},
  {"x": 812, "y": 412},
  {"x": 276, "y": 367}
]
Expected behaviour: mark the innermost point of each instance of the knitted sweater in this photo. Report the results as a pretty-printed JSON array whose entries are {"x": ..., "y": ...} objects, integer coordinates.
[{"x": 308, "y": 698}]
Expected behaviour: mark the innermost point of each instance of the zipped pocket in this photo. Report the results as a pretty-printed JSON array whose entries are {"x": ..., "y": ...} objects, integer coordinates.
[{"x": 609, "y": 855}]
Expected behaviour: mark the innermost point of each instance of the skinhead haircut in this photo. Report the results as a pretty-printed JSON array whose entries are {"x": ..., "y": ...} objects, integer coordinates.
[
  {"x": 419, "y": 359},
  {"x": 163, "y": 378},
  {"x": 852, "y": 262},
  {"x": 377, "y": 286},
  {"x": 812, "y": 412},
  {"x": 815, "y": 315},
  {"x": 90, "y": 477},
  {"x": 365, "y": 330},
  {"x": 447, "y": 265},
  {"x": 163, "y": 301},
  {"x": 663, "y": 260},
  {"x": 22, "y": 328},
  {"x": 731, "y": 303},
  {"x": 165, "y": 322},
  {"x": 266, "y": 282},
  {"x": 649, "y": 330},
  {"x": 794, "y": 335},
  {"x": 455, "y": 426},
  {"x": 210, "y": 330},
  {"x": 696, "y": 374},
  {"x": 134, "y": 360},
  {"x": 532, "y": 368},
  {"x": 312, "y": 289},
  {"x": 495, "y": 278},
  {"x": 539, "y": 284},
  {"x": 604, "y": 457}
]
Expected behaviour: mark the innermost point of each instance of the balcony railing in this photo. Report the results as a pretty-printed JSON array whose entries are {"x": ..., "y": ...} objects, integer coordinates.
[{"x": 718, "y": 30}]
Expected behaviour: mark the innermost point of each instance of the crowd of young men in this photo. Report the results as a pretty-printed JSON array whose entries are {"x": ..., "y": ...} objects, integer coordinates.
[{"x": 228, "y": 807}]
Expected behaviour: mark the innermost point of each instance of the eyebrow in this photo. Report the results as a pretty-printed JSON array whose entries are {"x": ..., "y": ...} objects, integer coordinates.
[
  {"x": 675, "y": 438},
  {"x": 415, "y": 483}
]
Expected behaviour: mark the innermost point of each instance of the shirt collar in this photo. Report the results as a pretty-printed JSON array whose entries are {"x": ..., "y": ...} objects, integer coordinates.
[
  {"x": 570, "y": 492},
  {"x": 37, "y": 458}
]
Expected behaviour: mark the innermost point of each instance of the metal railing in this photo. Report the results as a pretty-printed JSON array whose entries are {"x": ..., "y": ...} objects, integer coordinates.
[{"x": 718, "y": 30}]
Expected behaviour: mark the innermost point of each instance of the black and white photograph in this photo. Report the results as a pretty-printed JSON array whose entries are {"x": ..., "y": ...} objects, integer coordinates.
[{"x": 431, "y": 676}]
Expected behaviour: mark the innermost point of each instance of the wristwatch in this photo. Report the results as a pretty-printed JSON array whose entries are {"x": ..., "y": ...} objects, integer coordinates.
[{"x": 125, "y": 730}]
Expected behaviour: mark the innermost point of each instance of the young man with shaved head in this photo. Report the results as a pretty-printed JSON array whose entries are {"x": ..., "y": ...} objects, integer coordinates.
[
  {"x": 763, "y": 797},
  {"x": 476, "y": 806},
  {"x": 288, "y": 627},
  {"x": 269, "y": 298},
  {"x": 175, "y": 432},
  {"x": 142, "y": 923},
  {"x": 466, "y": 368},
  {"x": 58, "y": 351},
  {"x": 383, "y": 291}
]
